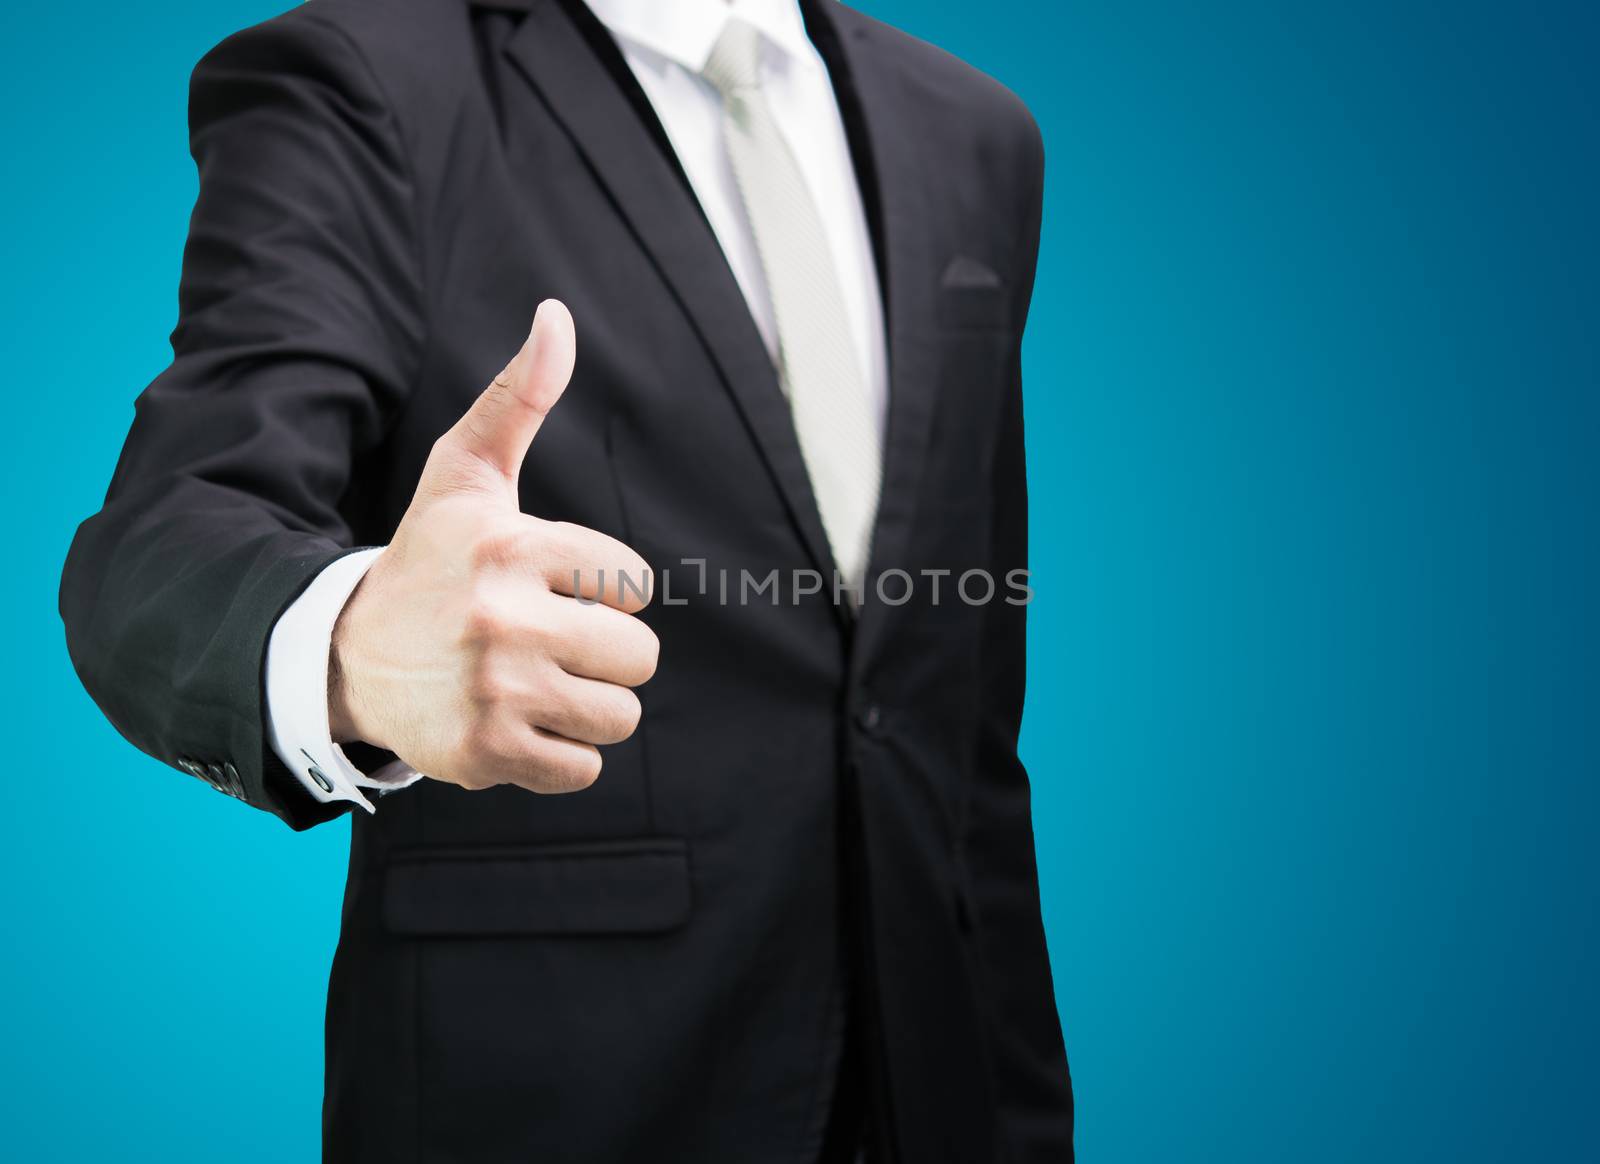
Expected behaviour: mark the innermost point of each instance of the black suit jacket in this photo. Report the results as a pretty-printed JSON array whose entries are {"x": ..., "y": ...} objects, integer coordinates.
[{"x": 653, "y": 969}]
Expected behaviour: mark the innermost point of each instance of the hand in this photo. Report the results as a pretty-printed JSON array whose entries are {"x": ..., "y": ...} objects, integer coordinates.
[{"x": 464, "y": 649}]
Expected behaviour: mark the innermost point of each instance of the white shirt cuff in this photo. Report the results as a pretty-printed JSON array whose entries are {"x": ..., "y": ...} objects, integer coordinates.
[{"x": 297, "y": 691}]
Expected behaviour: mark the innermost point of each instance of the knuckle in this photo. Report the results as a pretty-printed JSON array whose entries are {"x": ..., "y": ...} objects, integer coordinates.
[
  {"x": 652, "y": 653},
  {"x": 638, "y": 570},
  {"x": 643, "y": 656},
  {"x": 564, "y": 541},
  {"x": 570, "y": 532},
  {"x": 598, "y": 551},
  {"x": 634, "y": 581},
  {"x": 491, "y": 748},
  {"x": 582, "y": 770},
  {"x": 496, "y": 611},
  {"x": 568, "y": 635},
  {"x": 473, "y": 746},
  {"x": 557, "y": 705},
  {"x": 627, "y": 714},
  {"x": 571, "y": 769},
  {"x": 483, "y": 625},
  {"x": 497, "y": 550},
  {"x": 609, "y": 717},
  {"x": 485, "y": 688},
  {"x": 626, "y": 572}
]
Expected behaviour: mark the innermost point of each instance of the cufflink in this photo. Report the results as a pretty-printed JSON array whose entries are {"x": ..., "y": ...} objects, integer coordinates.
[{"x": 319, "y": 778}]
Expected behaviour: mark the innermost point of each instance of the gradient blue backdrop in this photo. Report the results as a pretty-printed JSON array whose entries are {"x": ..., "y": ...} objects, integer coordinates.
[{"x": 1314, "y": 409}]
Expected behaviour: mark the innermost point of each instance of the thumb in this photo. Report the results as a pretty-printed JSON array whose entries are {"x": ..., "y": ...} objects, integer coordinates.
[{"x": 503, "y": 421}]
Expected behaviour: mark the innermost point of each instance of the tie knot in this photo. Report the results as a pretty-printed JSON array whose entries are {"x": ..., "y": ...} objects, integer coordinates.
[{"x": 734, "y": 65}]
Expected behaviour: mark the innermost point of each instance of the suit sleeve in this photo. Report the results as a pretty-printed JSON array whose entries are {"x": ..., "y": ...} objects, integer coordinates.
[
  {"x": 1030, "y": 1065},
  {"x": 298, "y": 333}
]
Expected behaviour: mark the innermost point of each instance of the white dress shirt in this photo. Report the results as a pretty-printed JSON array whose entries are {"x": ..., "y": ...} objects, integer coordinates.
[{"x": 665, "y": 43}]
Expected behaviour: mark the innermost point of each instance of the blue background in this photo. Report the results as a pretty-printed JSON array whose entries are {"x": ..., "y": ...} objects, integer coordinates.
[{"x": 1314, "y": 409}]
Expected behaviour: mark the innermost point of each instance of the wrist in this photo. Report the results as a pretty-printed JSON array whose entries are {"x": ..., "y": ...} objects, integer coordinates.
[
  {"x": 341, "y": 723},
  {"x": 344, "y": 719}
]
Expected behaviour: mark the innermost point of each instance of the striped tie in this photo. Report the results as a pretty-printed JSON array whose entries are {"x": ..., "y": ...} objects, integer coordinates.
[{"x": 817, "y": 364}]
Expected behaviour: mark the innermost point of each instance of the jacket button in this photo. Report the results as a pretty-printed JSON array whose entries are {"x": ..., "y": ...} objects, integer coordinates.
[
  {"x": 870, "y": 719},
  {"x": 235, "y": 784},
  {"x": 216, "y": 777}
]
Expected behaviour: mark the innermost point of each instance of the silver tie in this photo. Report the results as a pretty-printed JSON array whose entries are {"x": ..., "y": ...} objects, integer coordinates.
[{"x": 817, "y": 364}]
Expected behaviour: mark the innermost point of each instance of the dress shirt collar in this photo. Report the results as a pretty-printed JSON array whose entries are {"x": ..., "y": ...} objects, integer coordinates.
[{"x": 684, "y": 31}]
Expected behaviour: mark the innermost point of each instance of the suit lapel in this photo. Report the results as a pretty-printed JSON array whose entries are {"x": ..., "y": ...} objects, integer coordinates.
[
  {"x": 878, "y": 119},
  {"x": 564, "y": 66}
]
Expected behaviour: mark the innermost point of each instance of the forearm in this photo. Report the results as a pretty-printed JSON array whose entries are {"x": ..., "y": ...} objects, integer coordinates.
[
  {"x": 299, "y": 324},
  {"x": 167, "y": 607}
]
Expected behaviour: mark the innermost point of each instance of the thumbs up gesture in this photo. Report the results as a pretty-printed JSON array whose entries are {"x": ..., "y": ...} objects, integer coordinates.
[{"x": 465, "y": 650}]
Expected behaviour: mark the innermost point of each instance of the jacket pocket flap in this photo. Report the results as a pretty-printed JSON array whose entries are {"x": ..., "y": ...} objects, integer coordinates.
[{"x": 609, "y": 887}]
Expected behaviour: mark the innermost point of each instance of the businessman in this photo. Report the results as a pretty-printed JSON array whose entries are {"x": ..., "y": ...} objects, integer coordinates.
[{"x": 725, "y": 546}]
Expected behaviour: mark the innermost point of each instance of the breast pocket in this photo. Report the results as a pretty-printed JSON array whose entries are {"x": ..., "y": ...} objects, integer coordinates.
[
  {"x": 974, "y": 349},
  {"x": 972, "y": 295}
]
